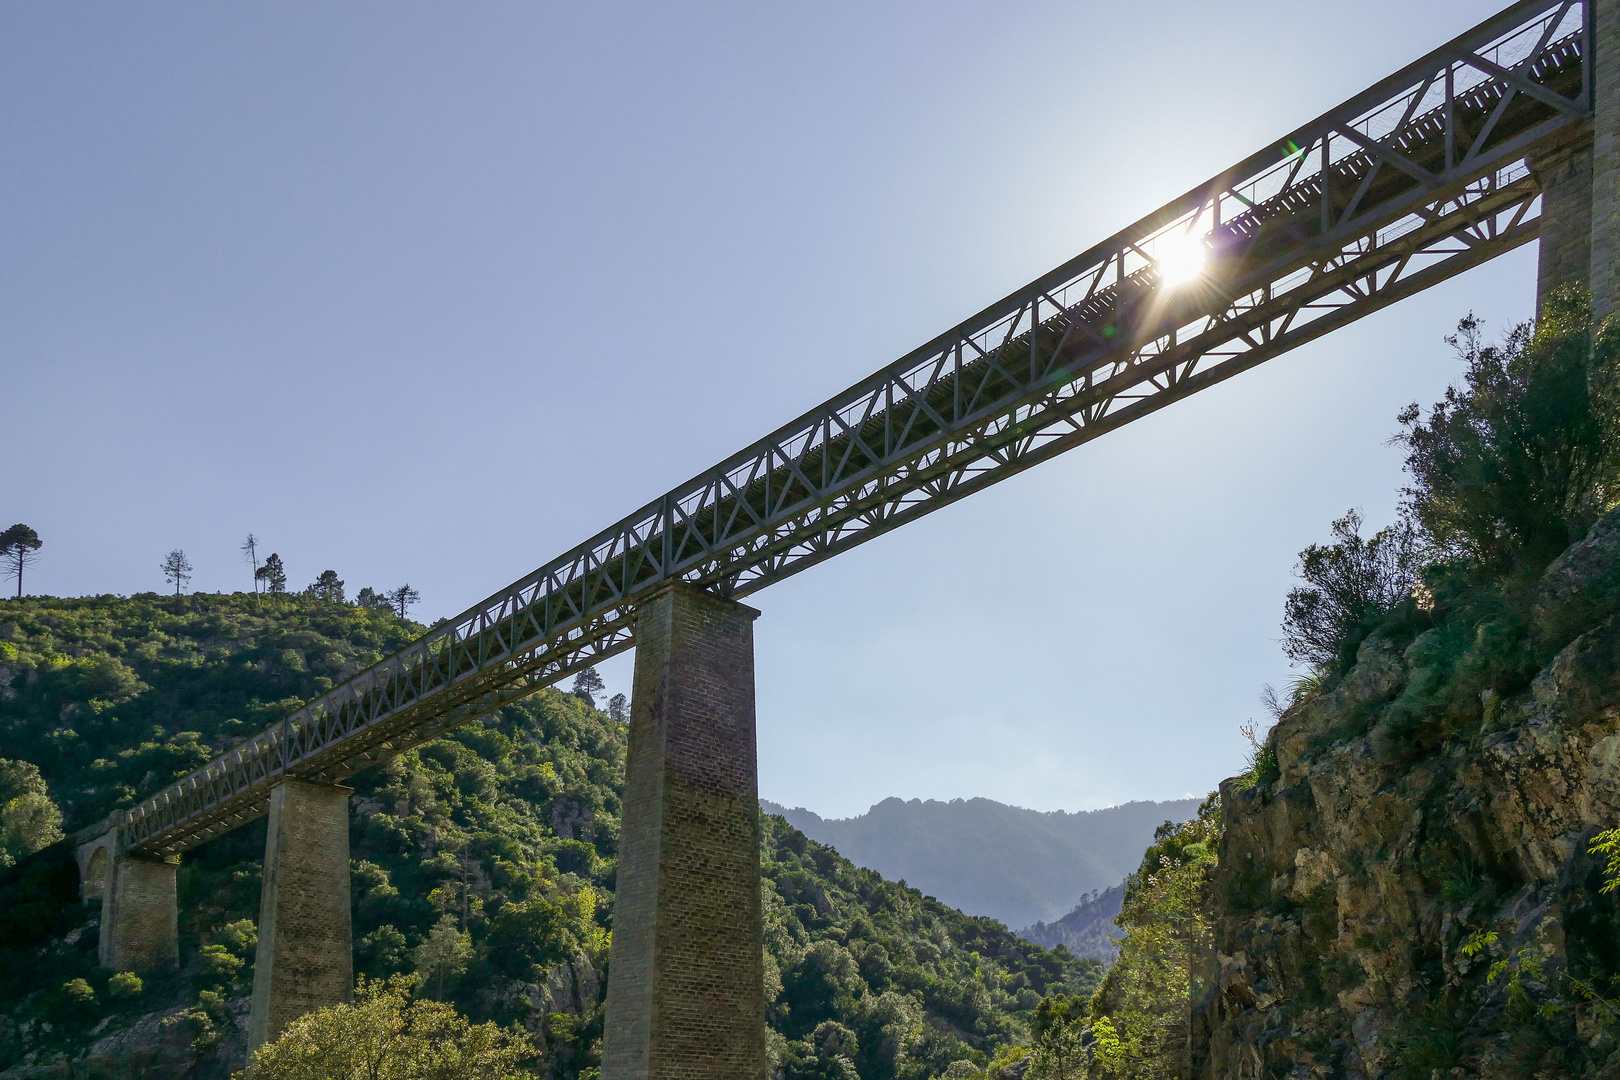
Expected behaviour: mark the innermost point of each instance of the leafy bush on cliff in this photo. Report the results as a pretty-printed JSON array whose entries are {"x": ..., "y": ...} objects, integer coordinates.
[
  {"x": 1507, "y": 470},
  {"x": 1515, "y": 464},
  {"x": 1349, "y": 586}
]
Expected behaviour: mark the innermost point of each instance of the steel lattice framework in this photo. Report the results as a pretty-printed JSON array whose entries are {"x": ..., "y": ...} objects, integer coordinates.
[{"x": 1416, "y": 179}]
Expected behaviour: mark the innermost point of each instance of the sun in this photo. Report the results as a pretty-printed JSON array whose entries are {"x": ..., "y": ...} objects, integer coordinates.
[{"x": 1179, "y": 257}]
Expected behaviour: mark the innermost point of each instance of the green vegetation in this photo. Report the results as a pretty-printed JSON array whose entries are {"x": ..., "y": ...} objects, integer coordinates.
[
  {"x": 483, "y": 863},
  {"x": 1349, "y": 585},
  {"x": 878, "y": 979},
  {"x": 1518, "y": 462},
  {"x": 29, "y": 820},
  {"x": 19, "y": 546},
  {"x": 385, "y": 1035},
  {"x": 1136, "y": 1024},
  {"x": 1505, "y": 472},
  {"x": 1167, "y": 933}
]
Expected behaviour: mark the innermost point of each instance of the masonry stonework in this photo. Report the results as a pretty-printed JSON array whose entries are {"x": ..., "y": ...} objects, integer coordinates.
[
  {"x": 1605, "y": 209},
  {"x": 305, "y": 957},
  {"x": 1566, "y": 219},
  {"x": 140, "y": 914},
  {"x": 686, "y": 989}
]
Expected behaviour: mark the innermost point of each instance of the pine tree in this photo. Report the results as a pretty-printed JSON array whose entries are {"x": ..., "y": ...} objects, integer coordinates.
[
  {"x": 176, "y": 569},
  {"x": 17, "y": 546},
  {"x": 273, "y": 574},
  {"x": 587, "y": 684},
  {"x": 401, "y": 599},
  {"x": 328, "y": 586}
]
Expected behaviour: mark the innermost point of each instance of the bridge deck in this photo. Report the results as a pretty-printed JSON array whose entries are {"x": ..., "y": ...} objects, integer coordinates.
[{"x": 1410, "y": 182}]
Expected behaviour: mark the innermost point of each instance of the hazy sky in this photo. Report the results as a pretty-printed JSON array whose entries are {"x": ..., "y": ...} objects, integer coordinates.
[{"x": 433, "y": 292}]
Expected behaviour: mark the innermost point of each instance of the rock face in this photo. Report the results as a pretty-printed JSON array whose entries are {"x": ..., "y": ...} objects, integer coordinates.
[{"x": 1408, "y": 890}]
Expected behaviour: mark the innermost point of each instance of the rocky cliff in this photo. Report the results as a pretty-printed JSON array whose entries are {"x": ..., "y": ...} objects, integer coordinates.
[{"x": 1405, "y": 887}]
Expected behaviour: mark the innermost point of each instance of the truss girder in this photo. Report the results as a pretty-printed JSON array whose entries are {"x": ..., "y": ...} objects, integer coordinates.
[{"x": 1416, "y": 179}]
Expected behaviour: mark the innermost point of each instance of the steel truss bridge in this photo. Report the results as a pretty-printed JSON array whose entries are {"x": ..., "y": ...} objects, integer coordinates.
[{"x": 1408, "y": 183}]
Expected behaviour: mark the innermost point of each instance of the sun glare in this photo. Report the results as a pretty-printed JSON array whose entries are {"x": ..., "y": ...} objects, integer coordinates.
[{"x": 1180, "y": 257}]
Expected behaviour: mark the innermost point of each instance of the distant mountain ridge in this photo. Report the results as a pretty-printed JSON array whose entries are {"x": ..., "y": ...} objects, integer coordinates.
[
  {"x": 1087, "y": 931},
  {"x": 987, "y": 858}
]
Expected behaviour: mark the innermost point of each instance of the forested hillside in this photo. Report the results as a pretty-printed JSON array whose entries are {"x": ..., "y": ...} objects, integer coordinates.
[
  {"x": 1020, "y": 866},
  {"x": 1088, "y": 930},
  {"x": 483, "y": 862}
]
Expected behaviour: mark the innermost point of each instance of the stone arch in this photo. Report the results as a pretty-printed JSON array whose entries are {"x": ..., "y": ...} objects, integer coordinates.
[
  {"x": 95, "y": 867},
  {"x": 94, "y": 878}
]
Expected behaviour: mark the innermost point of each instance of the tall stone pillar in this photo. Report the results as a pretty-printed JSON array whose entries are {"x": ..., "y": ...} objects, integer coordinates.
[
  {"x": 305, "y": 959},
  {"x": 1566, "y": 220},
  {"x": 686, "y": 981},
  {"x": 140, "y": 916},
  {"x": 1605, "y": 274}
]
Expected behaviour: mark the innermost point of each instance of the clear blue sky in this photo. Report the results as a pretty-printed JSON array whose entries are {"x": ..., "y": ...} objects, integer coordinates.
[{"x": 430, "y": 293}]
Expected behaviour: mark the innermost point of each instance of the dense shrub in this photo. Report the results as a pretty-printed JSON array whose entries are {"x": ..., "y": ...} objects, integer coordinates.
[
  {"x": 385, "y": 1035},
  {"x": 1514, "y": 464},
  {"x": 1349, "y": 586}
]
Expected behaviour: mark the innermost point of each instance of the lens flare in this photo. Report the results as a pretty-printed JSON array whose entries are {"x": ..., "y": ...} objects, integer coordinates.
[{"x": 1180, "y": 257}]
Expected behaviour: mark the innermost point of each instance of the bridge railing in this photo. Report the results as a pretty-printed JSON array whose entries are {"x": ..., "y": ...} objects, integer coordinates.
[{"x": 1412, "y": 181}]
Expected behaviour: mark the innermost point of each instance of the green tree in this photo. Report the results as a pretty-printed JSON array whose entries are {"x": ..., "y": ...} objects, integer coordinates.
[
  {"x": 401, "y": 599},
  {"x": 385, "y": 1035},
  {"x": 1517, "y": 462},
  {"x": 176, "y": 569},
  {"x": 443, "y": 954},
  {"x": 1060, "y": 1052},
  {"x": 1348, "y": 585},
  {"x": 328, "y": 586},
  {"x": 125, "y": 984},
  {"x": 587, "y": 684},
  {"x": 29, "y": 819},
  {"x": 1140, "y": 1014},
  {"x": 273, "y": 574},
  {"x": 18, "y": 546}
]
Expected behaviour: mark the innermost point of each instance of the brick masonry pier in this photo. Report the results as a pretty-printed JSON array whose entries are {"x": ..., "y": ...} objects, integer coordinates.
[
  {"x": 140, "y": 916},
  {"x": 305, "y": 959},
  {"x": 686, "y": 988},
  {"x": 1605, "y": 152}
]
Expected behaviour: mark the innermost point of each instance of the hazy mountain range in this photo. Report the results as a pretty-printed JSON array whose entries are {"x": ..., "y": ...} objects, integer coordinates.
[
  {"x": 1088, "y": 930},
  {"x": 988, "y": 858}
]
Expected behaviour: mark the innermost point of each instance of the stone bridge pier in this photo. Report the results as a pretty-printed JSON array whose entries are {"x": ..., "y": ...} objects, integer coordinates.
[
  {"x": 140, "y": 926},
  {"x": 1580, "y": 183},
  {"x": 686, "y": 981},
  {"x": 305, "y": 953},
  {"x": 306, "y": 948}
]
